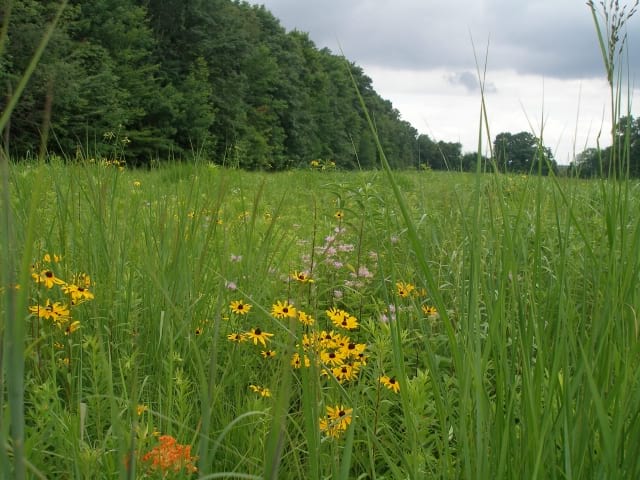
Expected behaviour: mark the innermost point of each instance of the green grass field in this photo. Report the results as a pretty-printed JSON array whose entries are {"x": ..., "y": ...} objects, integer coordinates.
[{"x": 312, "y": 324}]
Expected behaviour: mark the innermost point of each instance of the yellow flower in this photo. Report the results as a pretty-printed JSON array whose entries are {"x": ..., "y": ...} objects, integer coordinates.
[
  {"x": 78, "y": 293},
  {"x": 305, "y": 319},
  {"x": 48, "y": 258},
  {"x": 262, "y": 391},
  {"x": 391, "y": 383},
  {"x": 354, "y": 350},
  {"x": 56, "y": 312},
  {"x": 342, "y": 319},
  {"x": 297, "y": 362},
  {"x": 137, "y": 184},
  {"x": 336, "y": 421},
  {"x": 140, "y": 409},
  {"x": 339, "y": 215},
  {"x": 268, "y": 353},
  {"x": 48, "y": 278},
  {"x": 258, "y": 335},
  {"x": 236, "y": 337},
  {"x": 239, "y": 307},
  {"x": 283, "y": 310},
  {"x": 429, "y": 311},
  {"x": 72, "y": 328},
  {"x": 302, "y": 277},
  {"x": 332, "y": 358},
  {"x": 404, "y": 289},
  {"x": 345, "y": 371}
]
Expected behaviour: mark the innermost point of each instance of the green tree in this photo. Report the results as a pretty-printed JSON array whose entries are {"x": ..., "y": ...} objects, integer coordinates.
[{"x": 522, "y": 153}]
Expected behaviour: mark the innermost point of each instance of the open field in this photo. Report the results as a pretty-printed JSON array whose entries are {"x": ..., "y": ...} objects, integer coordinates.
[{"x": 310, "y": 324}]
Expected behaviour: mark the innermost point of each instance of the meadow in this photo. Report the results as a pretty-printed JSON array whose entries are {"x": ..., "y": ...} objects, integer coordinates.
[{"x": 194, "y": 321}]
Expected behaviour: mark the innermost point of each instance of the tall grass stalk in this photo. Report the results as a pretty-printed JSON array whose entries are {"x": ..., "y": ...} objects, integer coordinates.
[{"x": 13, "y": 329}]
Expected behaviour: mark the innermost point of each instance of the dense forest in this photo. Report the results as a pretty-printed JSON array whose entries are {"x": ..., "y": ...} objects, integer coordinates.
[{"x": 216, "y": 79}]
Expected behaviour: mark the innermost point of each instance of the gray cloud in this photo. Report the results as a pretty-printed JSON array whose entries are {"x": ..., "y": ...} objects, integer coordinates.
[
  {"x": 544, "y": 37},
  {"x": 469, "y": 81}
]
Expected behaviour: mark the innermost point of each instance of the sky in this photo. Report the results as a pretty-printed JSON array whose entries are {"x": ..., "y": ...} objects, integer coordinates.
[{"x": 539, "y": 59}]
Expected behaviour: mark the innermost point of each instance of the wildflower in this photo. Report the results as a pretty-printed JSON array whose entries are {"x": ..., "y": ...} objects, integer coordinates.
[
  {"x": 262, "y": 391},
  {"x": 305, "y": 319},
  {"x": 345, "y": 371},
  {"x": 48, "y": 278},
  {"x": 72, "y": 328},
  {"x": 137, "y": 184},
  {"x": 235, "y": 258},
  {"x": 353, "y": 349},
  {"x": 170, "y": 456},
  {"x": 230, "y": 285},
  {"x": 55, "y": 258},
  {"x": 258, "y": 335},
  {"x": 404, "y": 289},
  {"x": 236, "y": 337},
  {"x": 332, "y": 358},
  {"x": 429, "y": 311},
  {"x": 297, "y": 362},
  {"x": 302, "y": 277},
  {"x": 343, "y": 319},
  {"x": 78, "y": 294},
  {"x": 315, "y": 164},
  {"x": 339, "y": 215},
  {"x": 140, "y": 409},
  {"x": 283, "y": 310},
  {"x": 198, "y": 331},
  {"x": 239, "y": 307},
  {"x": 391, "y": 383},
  {"x": 268, "y": 353},
  {"x": 56, "y": 312},
  {"x": 336, "y": 421}
]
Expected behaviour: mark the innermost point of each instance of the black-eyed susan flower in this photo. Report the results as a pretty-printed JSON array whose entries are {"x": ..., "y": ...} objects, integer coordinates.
[
  {"x": 429, "y": 311},
  {"x": 56, "y": 312},
  {"x": 339, "y": 214},
  {"x": 297, "y": 362},
  {"x": 239, "y": 307},
  {"x": 302, "y": 277},
  {"x": 283, "y": 310},
  {"x": 47, "y": 278},
  {"x": 345, "y": 372},
  {"x": 332, "y": 358},
  {"x": 353, "y": 350},
  {"x": 198, "y": 331},
  {"x": 78, "y": 293},
  {"x": 336, "y": 421},
  {"x": 72, "y": 327},
  {"x": 268, "y": 353},
  {"x": 262, "y": 391},
  {"x": 258, "y": 335},
  {"x": 236, "y": 337},
  {"x": 391, "y": 383},
  {"x": 342, "y": 319},
  {"x": 140, "y": 409},
  {"x": 404, "y": 289},
  {"x": 48, "y": 258},
  {"x": 305, "y": 318}
]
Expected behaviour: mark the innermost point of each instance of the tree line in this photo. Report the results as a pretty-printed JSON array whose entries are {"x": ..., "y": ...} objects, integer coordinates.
[{"x": 221, "y": 79}]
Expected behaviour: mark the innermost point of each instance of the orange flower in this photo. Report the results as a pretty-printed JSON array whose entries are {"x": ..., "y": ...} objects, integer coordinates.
[{"x": 170, "y": 456}]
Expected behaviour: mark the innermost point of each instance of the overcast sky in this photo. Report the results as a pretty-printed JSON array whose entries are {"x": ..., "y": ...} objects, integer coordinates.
[{"x": 543, "y": 62}]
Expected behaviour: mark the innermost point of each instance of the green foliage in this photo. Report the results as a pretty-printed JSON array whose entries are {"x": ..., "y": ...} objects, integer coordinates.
[
  {"x": 522, "y": 153},
  {"x": 213, "y": 78}
]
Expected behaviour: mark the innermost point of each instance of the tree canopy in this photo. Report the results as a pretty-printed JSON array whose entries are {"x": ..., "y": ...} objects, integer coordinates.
[{"x": 221, "y": 79}]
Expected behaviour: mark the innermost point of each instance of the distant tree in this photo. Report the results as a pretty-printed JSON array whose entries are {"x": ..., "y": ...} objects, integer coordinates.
[{"x": 522, "y": 153}]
